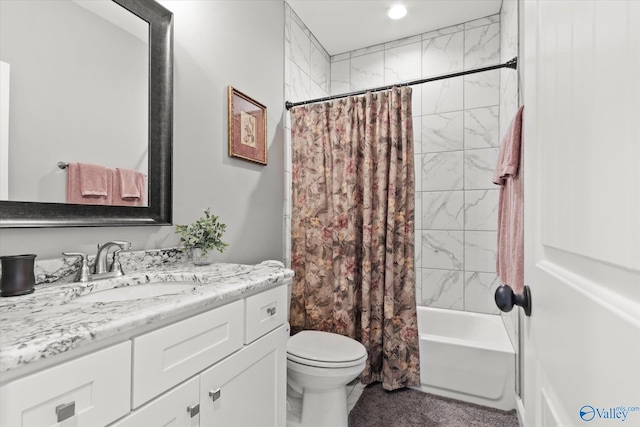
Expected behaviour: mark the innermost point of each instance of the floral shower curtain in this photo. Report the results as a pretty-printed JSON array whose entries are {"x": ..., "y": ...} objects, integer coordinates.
[{"x": 352, "y": 226}]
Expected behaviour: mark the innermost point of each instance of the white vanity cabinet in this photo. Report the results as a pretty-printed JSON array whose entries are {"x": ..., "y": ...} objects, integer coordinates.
[
  {"x": 225, "y": 367},
  {"x": 222, "y": 367}
]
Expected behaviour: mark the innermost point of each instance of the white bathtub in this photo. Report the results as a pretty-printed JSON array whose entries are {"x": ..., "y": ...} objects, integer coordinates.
[{"x": 466, "y": 356}]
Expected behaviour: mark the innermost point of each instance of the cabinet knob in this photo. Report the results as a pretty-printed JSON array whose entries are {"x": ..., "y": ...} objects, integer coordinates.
[
  {"x": 214, "y": 394},
  {"x": 193, "y": 410},
  {"x": 65, "y": 410},
  {"x": 271, "y": 311}
]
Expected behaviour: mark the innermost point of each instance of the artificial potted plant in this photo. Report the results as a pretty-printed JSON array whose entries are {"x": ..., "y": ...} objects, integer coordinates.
[{"x": 202, "y": 237}]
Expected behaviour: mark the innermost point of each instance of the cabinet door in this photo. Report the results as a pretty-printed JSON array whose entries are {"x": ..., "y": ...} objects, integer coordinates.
[
  {"x": 92, "y": 390},
  {"x": 249, "y": 388},
  {"x": 177, "y": 408}
]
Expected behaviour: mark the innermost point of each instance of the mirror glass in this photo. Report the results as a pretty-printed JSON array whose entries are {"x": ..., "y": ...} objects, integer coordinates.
[
  {"x": 85, "y": 82},
  {"x": 56, "y": 74}
]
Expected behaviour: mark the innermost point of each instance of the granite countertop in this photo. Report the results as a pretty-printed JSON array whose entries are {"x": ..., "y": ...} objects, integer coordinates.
[{"x": 49, "y": 321}]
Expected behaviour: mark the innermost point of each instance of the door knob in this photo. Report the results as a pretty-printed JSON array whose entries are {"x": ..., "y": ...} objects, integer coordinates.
[{"x": 505, "y": 299}]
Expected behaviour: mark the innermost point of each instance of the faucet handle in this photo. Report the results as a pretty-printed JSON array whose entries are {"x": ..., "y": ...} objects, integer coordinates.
[
  {"x": 83, "y": 272},
  {"x": 115, "y": 265}
]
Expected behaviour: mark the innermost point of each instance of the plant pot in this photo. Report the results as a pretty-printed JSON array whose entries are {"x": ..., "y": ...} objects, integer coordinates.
[{"x": 200, "y": 259}]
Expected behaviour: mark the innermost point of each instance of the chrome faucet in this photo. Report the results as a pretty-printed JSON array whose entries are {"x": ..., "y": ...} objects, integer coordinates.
[{"x": 100, "y": 266}]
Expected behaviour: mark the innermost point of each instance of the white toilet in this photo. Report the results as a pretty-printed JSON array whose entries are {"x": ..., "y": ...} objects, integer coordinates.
[{"x": 319, "y": 366}]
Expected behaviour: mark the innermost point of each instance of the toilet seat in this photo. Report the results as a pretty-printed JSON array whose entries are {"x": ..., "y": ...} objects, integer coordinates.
[{"x": 325, "y": 350}]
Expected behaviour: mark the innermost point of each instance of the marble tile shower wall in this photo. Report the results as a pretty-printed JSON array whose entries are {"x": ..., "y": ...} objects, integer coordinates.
[
  {"x": 307, "y": 71},
  {"x": 456, "y": 135}
]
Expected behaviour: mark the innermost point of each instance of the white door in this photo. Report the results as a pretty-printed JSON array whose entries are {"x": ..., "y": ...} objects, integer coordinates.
[{"x": 582, "y": 211}]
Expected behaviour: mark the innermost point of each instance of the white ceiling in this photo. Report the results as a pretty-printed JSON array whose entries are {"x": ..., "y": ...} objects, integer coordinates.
[{"x": 346, "y": 25}]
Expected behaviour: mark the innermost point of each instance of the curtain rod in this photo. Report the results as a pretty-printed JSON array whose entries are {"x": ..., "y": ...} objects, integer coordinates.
[{"x": 512, "y": 63}]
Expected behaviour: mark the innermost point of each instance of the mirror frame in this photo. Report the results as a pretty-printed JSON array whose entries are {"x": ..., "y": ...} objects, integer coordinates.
[{"x": 159, "y": 208}]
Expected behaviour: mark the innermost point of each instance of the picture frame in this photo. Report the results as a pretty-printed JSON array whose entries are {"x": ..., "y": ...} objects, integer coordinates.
[{"x": 247, "y": 128}]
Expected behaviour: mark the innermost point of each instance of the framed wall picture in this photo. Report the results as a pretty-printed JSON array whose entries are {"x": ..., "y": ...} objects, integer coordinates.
[{"x": 247, "y": 128}]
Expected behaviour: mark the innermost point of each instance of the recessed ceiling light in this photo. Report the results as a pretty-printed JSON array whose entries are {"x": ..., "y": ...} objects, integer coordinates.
[{"x": 397, "y": 12}]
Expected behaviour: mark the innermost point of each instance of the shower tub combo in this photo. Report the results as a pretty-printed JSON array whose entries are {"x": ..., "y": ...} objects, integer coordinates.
[{"x": 466, "y": 356}]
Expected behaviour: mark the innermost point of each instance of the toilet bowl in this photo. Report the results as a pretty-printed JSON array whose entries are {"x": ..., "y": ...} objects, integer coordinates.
[{"x": 319, "y": 366}]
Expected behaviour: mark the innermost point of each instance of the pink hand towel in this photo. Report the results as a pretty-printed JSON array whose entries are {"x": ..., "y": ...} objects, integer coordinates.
[
  {"x": 510, "y": 259},
  {"x": 129, "y": 188},
  {"x": 76, "y": 187},
  {"x": 128, "y": 180},
  {"x": 94, "y": 180}
]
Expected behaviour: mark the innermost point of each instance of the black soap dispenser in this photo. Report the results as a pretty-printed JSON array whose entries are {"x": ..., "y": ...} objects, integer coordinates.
[{"x": 18, "y": 277}]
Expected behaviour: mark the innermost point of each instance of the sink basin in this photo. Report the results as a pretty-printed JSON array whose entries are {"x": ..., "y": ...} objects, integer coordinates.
[{"x": 144, "y": 290}]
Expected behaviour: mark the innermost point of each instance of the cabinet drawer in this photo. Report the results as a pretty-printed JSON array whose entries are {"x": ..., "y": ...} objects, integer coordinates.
[
  {"x": 170, "y": 355},
  {"x": 173, "y": 408},
  {"x": 265, "y": 312},
  {"x": 97, "y": 384}
]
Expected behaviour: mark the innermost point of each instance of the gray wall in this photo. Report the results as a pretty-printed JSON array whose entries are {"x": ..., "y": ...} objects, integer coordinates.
[{"x": 217, "y": 43}]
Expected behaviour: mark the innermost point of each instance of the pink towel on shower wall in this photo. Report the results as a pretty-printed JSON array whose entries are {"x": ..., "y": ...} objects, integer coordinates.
[
  {"x": 129, "y": 188},
  {"x": 510, "y": 259},
  {"x": 89, "y": 184}
]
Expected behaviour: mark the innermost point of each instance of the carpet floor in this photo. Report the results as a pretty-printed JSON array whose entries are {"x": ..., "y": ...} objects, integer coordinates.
[{"x": 412, "y": 408}]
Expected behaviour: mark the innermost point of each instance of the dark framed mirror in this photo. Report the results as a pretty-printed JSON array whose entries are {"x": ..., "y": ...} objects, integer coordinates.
[{"x": 158, "y": 209}]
